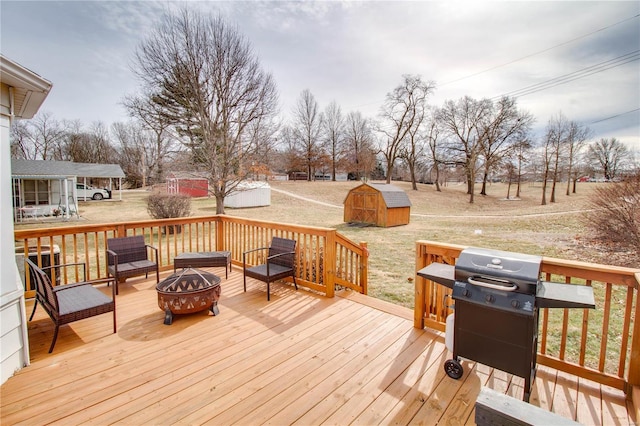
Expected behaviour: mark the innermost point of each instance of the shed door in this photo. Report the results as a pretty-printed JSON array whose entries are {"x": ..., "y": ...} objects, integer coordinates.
[{"x": 364, "y": 207}]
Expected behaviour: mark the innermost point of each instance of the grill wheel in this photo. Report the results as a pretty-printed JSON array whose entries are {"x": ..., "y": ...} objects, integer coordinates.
[{"x": 453, "y": 369}]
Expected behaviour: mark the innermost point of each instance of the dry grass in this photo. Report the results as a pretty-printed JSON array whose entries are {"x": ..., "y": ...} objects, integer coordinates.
[{"x": 523, "y": 225}]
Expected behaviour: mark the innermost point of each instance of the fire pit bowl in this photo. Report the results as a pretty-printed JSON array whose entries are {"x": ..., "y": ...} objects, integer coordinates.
[{"x": 188, "y": 292}]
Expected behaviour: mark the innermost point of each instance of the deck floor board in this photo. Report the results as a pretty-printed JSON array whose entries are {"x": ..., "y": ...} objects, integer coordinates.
[{"x": 299, "y": 359}]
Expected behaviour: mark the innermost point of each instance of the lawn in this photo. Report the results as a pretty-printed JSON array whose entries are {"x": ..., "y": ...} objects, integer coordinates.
[{"x": 555, "y": 230}]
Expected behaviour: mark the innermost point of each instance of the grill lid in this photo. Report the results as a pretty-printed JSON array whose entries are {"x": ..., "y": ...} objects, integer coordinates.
[{"x": 499, "y": 270}]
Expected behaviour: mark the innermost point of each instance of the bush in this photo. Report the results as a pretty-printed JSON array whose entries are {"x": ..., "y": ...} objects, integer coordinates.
[
  {"x": 615, "y": 217},
  {"x": 163, "y": 206}
]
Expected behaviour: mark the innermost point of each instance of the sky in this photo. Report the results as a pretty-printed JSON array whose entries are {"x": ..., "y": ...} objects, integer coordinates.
[{"x": 580, "y": 59}]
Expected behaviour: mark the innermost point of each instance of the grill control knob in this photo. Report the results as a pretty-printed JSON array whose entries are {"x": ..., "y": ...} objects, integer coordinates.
[
  {"x": 489, "y": 298},
  {"x": 466, "y": 292},
  {"x": 515, "y": 304}
]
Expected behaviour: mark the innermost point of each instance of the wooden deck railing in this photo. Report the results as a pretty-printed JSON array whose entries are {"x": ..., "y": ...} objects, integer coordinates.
[
  {"x": 601, "y": 345},
  {"x": 325, "y": 258}
]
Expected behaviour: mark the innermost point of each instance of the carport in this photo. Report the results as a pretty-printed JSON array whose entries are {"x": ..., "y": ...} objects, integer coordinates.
[{"x": 39, "y": 187}]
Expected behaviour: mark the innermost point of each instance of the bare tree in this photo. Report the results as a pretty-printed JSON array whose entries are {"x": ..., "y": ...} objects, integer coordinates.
[
  {"x": 610, "y": 155},
  {"x": 399, "y": 115},
  {"x": 208, "y": 84},
  {"x": 577, "y": 136},
  {"x": 92, "y": 145},
  {"x": 39, "y": 138},
  {"x": 520, "y": 154},
  {"x": 130, "y": 140},
  {"x": 555, "y": 136},
  {"x": 263, "y": 159},
  {"x": 432, "y": 135},
  {"x": 414, "y": 150},
  {"x": 294, "y": 157},
  {"x": 162, "y": 144},
  {"x": 502, "y": 128},
  {"x": 334, "y": 135},
  {"x": 22, "y": 144},
  {"x": 307, "y": 127},
  {"x": 462, "y": 121},
  {"x": 358, "y": 145}
]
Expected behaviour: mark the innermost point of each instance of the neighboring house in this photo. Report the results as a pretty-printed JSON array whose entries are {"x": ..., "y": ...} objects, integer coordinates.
[
  {"x": 193, "y": 184},
  {"x": 22, "y": 92},
  {"x": 41, "y": 187},
  {"x": 377, "y": 204}
]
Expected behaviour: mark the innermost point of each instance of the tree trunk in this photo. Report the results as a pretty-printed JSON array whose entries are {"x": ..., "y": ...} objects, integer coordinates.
[
  {"x": 544, "y": 187},
  {"x": 484, "y": 185},
  {"x": 518, "y": 179},
  {"x": 412, "y": 171},
  {"x": 219, "y": 204},
  {"x": 470, "y": 179},
  {"x": 437, "y": 182}
]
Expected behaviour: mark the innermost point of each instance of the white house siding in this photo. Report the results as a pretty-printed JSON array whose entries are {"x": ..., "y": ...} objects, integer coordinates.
[
  {"x": 14, "y": 351},
  {"x": 21, "y": 95}
]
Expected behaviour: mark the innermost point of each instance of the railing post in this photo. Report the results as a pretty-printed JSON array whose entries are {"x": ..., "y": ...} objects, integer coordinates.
[
  {"x": 121, "y": 230},
  {"x": 220, "y": 246},
  {"x": 419, "y": 311},
  {"x": 364, "y": 270},
  {"x": 634, "y": 367},
  {"x": 329, "y": 260}
]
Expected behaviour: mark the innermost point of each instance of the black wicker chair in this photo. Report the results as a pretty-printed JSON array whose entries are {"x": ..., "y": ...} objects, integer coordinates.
[
  {"x": 279, "y": 264},
  {"x": 129, "y": 257},
  {"x": 70, "y": 302}
]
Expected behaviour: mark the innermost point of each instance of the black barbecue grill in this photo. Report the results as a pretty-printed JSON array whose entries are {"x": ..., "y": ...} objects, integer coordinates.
[{"x": 497, "y": 295}]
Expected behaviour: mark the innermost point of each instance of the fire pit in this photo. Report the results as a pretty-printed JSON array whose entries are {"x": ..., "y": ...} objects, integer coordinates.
[{"x": 188, "y": 292}]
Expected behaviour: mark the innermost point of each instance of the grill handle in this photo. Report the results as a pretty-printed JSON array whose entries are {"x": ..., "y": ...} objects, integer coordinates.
[{"x": 506, "y": 286}]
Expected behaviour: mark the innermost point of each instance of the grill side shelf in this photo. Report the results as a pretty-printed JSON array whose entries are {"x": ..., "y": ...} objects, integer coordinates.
[
  {"x": 440, "y": 273},
  {"x": 557, "y": 295}
]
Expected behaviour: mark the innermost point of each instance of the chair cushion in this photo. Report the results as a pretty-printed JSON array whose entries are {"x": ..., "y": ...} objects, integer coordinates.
[
  {"x": 132, "y": 268},
  {"x": 83, "y": 301},
  {"x": 276, "y": 272}
]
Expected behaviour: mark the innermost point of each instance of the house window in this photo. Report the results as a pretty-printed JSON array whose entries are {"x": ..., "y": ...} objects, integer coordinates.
[{"x": 35, "y": 192}]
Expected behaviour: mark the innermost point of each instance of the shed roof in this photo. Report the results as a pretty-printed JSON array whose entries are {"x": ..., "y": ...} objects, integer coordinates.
[
  {"x": 42, "y": 169},
  {"x": 392, "y": 195}
]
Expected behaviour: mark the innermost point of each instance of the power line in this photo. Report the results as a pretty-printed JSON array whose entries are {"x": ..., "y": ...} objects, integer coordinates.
[
  {"x": 540, "y": 51},
  {"x": 566, "y": 78},
  {"x": 525, "y": 57},
  {"x": 614, "y": 116}
]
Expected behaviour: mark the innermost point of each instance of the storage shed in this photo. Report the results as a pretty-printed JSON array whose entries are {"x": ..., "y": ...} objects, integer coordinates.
[
  {"x": 249, "y": 194},
  {"x": 193, "y": 184},
  {"x": 377, "y": 204}
]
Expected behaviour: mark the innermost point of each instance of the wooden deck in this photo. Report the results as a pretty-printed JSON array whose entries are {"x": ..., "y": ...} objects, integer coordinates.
[{"x": 299, "y": 359}]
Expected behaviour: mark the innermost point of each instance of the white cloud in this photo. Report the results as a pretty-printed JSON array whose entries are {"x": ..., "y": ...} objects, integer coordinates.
[{"x": 354, "y": 52}]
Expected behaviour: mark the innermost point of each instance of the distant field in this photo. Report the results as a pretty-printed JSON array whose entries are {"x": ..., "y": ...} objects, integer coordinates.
[{"x": 524, "y": 225}]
